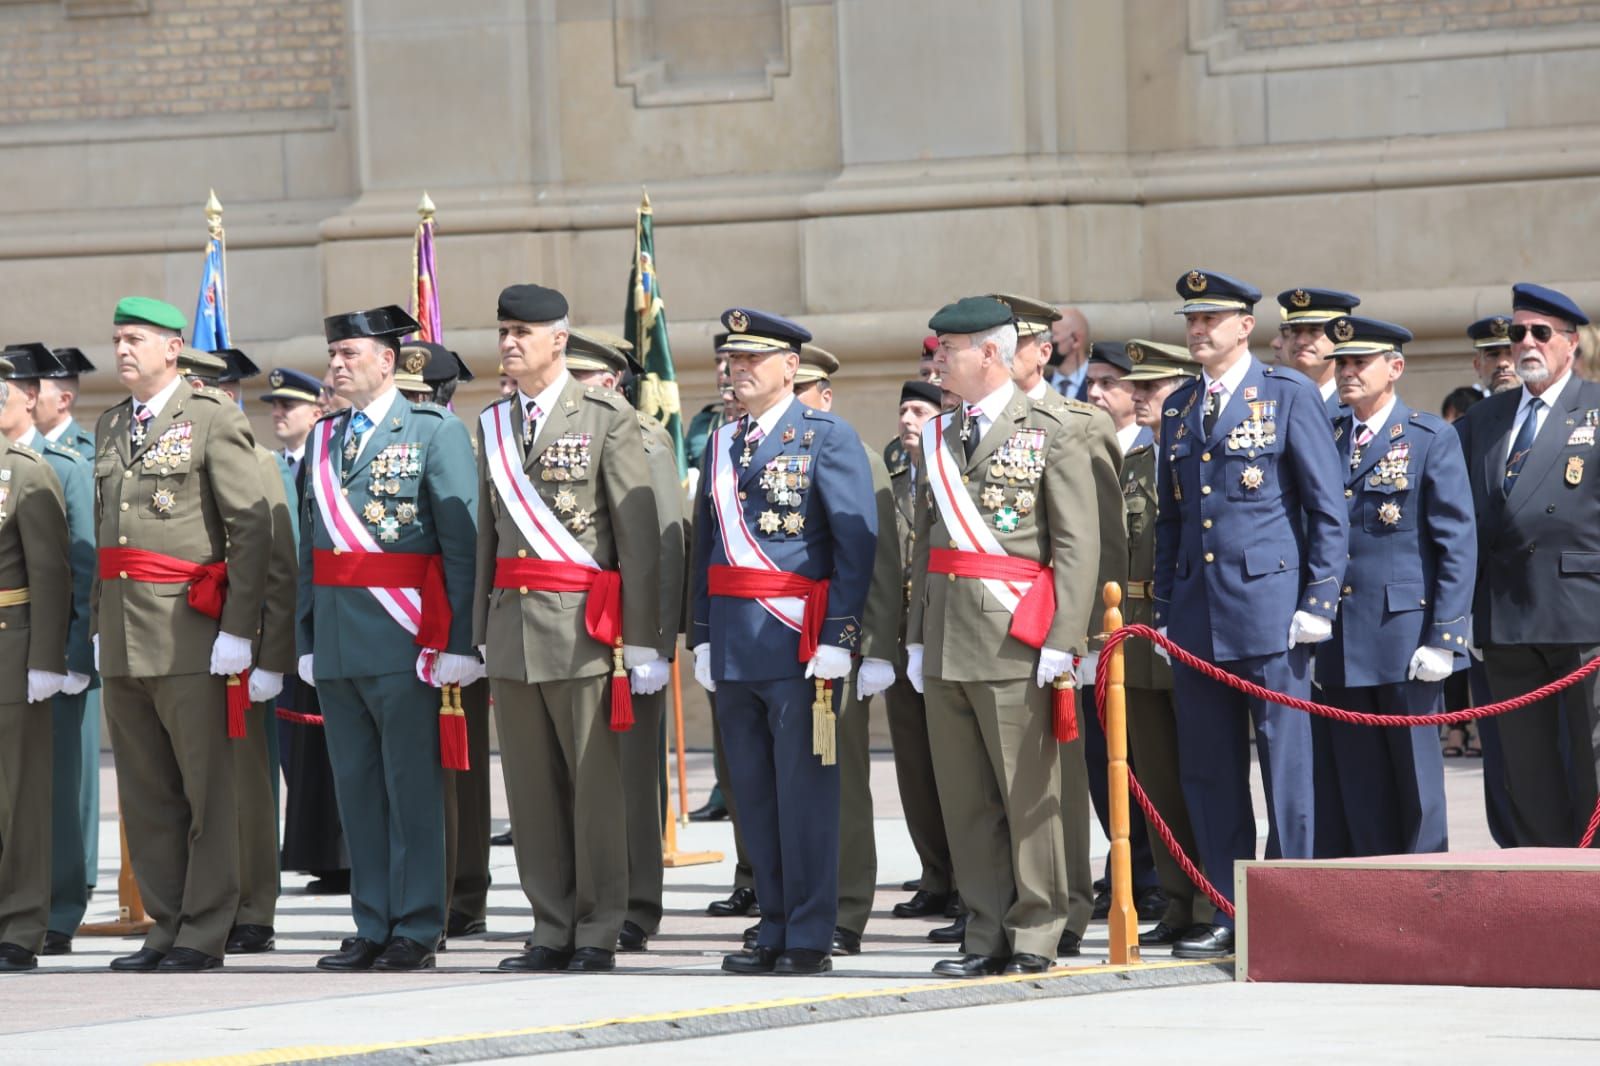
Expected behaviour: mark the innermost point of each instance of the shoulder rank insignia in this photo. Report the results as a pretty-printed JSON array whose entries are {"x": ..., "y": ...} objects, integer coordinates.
[{"x": 788, "y": 434}]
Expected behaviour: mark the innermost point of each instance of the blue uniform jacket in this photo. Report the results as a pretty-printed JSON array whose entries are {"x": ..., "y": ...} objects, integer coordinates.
[
  {"x": 837, "y": 539},
  {"x": 1248, "y": 530},
  {"x": 1413, "y": 551}
]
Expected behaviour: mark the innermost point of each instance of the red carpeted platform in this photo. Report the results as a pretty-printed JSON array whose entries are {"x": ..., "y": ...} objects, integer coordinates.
[{"x": 1520, "y": 918}]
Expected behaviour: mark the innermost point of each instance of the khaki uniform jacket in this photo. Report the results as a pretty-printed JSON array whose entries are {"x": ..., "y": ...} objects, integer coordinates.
[
  {"x": 192, "y": 491},
  {"x": 1143, "y": 668},
  {"x": 883, "y": 618},
  {"x": 670, "y": 506},
  {"x": 963, "y": 628},
  {"x": 539, "y": 636},
  {"x": 275, "y": 649},
  {"x": 33, "y": 556},
  {"x": 1105, "y": 457}
]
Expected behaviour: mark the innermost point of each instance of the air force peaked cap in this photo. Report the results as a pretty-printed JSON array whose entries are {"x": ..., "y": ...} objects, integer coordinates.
[{"x": 1206, "y": 290}]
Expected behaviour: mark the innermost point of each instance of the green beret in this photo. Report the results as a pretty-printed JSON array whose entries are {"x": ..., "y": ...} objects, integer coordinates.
[
  {"x": 143, "y": 309},
  {"x": 971, "y": 314}
]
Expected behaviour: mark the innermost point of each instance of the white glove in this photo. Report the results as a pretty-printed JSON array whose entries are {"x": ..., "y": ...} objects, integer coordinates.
[
  {"x": 265, "y": 685},
  {"x": 42, "y": 684},
  {"x": 95, "y": 640},
  {"x": 456, "y": 670},
  {"x": 702, "y": 667},
  {"x": 1052, "y": 664},
  {"x": 306, "y": 671},
  {"x": 914, "y": 665},
  {"x": 1160, "y": 650},
  {"x": 1431, "y": 664},
  {"x": 874, "y": 676},
  {"x": 76, "y": 683},
  {"x": 1307, "y": 628},
  {"x": 229, "y": 655},
  {"x": 649, "y": 677},
  {"x": 829, "y": 663},
  {"x": 1086, "y": 668},
  {"x": 638, "y": 655}
]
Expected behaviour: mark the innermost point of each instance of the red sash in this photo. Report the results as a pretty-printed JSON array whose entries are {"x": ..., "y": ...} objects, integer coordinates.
[
  {"x": 351, "y": 569},
  {"x": 1030, "y": 622},
  {"x": 748, "y": 583}
]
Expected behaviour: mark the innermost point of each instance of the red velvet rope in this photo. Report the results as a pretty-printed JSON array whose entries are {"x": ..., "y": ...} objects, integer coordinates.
[{"x": 1216, "y": 673}]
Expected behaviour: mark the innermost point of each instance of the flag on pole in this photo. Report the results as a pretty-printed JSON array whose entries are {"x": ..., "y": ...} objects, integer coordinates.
[
  {"x": 645, "y": 326},
  {"x": 210, "y": 331},
  {"x": 424, "y": 296}
]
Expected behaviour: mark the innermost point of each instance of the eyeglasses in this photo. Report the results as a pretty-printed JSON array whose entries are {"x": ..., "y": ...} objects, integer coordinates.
[{"x": 1540, "y": 331}]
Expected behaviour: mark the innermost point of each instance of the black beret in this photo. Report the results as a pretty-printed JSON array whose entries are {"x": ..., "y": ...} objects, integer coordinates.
[
  {"x": 923, "y": 392},
  {"x": 530, "y": 303},
  {"x": 971, "y": 314}
]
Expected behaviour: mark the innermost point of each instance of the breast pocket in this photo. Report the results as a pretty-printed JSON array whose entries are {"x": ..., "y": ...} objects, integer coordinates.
[
  {"x": 1251, "y": 477},
  {"x": 1385, "y": 509},
  {"x": 159, "y": 498},
  {"x": 1138, "y": 514}
]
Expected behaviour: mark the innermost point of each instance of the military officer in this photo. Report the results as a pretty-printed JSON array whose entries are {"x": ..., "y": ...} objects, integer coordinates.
[
  {"x": 1531, "y": 459},
  {"x": 386, "y": 567},
  {"x": 1000, "y": 528},
  {"x": 880, "y": 636},
  {"x": 1402, "y": 627},
  {"x": 1492, "y": 360},
  {"x": 1305, "y": 346},
  {"x": 786, "y": 535},
  {"x": 1157, "y": 369},
  {"x": 601, "y": 360},
  {"x": 38, "y": 609},
  {"x": 178, "y": 505},
  {"x": 255, "y": 766},
  {"x": 567, "y": 607},
  {"x": 1250, "y": 546},
  {"x": 908, "y": 724}
]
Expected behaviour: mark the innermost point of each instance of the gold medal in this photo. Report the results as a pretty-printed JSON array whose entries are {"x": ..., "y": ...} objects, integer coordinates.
[
  {"x": 793, "y": 523},
  {"x": 565, "y": 500},
  {"x": 1024, "y": 501},
  {"x": 406, "y": 513},
  {"x": 993, "y": 497},
  {"x": 579, "y": 521},
  {"x": 1389, "y": 513},
  {"x": 373, "y": 512},
  {"x": 1252, "y": 477},
  {"x": 769, "y": 522},
  {"x": 163, "y": 501}
]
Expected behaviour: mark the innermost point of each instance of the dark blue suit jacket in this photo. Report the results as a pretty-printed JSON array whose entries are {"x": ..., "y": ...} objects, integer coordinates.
[
  {"x": 1413, "y": 552},
  {"x": 1247, "y": 535},
  {"x": 838, "y": 542}
]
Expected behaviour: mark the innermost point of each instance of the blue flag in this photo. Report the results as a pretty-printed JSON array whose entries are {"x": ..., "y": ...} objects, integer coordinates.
[{"x": 211, "y": 312}]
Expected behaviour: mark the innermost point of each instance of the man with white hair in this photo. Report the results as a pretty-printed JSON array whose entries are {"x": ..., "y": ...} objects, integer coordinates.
[{"x": 1007, "y": 556}]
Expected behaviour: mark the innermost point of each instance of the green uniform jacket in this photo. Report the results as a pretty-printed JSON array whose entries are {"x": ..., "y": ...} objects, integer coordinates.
[
  {"x": 883, "y": 618},
  {"x": 77, "y": 486},
  {"x": 77, "y": 439},
  {"x": 611, "y": 510},
  {"x": 1143, "y": 668},
  {"x": 904, "y": 480},
  {"x": 1105, "y": 456},
  {"x": 275, "y": 648},
  {"x": 192, "y": 491},
  {"x": 668, "y": 489},
  {"x": 345, "y": 628},
  {"x": 963, "y": 629},
  {"x": 33, "y": 556}
]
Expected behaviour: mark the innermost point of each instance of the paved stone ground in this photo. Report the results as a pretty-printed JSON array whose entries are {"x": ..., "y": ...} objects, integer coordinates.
[{"x": 75, "y": 1010}]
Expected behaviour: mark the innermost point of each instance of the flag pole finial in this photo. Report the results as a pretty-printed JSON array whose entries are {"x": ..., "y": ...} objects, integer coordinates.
[
  {"x": 425, "y": 208},
  {"x": 214, "y": 213},
  {"x": 644, "y": 202}
]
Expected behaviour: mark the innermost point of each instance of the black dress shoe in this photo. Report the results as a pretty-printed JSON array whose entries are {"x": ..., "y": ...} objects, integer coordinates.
[
  {"x": 501, "y": 840},
  {"x": 188, "y": 960},
  {"x": 738, "y": 904},
  {"x": 460, "y": 924},
  {"x": 57, "y": 943},
  {"x": 14, "y": 958},
  {"x": 632, "y": 938},
  {"x": 756, "y": 960},
  {"x": 1022, "y": 962},
  {"x": 913, "y": 885},
  {"x": 593, "y": 960},
  {"x": 403, "y": 953},
  {"x": 1204, "y": 942},
  {"x": 922, "y": 905},
  {"x": 970, "y": 966},
  {"x": 355, "y": 953},
  {"x": 845, "y": 942},
  {"x": 537, "y": 960},
  {"x": 953, "y": 907},
  {"x": 711, "y": 812},
  {"x": 750, "y": 936},
  {"x": 1160, "y": 936},
  {"x": 145, "y": 960},
  {"x": 1069, "y": 944},
  {"x": 803, "y": 961},
  {"x": 332, "y": 883},
  {"x": 1150, "y": 904},
  {"x": 251, "y": 940},
  {"x": 1102, "y": 905},
  {"x": 953, "y": 933}
]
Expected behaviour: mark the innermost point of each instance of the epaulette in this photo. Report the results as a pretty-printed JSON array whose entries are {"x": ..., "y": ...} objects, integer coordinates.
[
  {"x": 1430, "y": 422},
  {"x": 26, "y": 453},
  {"x": 334, "y": 414},
  {"x": 825, "y": 416},
  {"x": 1139, "y": 449},
  {"x": 605, "y": 397},
  {"x": 1058, "y": 412},
  {"x": 423, "y": 408},
  {"x": 52, "y": 448},
  {"x": 212, "y": 393}
]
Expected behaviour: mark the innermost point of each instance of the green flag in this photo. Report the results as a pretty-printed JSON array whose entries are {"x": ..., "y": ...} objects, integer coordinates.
[{"x": 645, "y": 325}]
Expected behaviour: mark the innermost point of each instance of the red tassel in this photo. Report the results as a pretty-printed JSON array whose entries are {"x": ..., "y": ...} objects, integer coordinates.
[
  {"x": 1063, "y": 709},
  {"x": 238, "y": 703},
  {"x": 621, "y": 693},
  {"x": 452, "y": 730}
]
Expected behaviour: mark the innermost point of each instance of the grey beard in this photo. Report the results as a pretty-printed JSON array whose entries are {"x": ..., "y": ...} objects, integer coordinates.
[{"x": 1533, "y": 375}]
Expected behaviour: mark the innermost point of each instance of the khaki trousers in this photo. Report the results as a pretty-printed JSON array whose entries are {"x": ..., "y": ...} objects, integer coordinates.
[{"x": 25, "y": 750}]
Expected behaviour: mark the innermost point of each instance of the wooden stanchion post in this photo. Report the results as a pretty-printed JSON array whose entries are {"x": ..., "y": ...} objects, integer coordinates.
[
  {"x": 131, "y": 918},
  {"x": 1124, "y": 918},
  {"x": 671, "y": 857}
]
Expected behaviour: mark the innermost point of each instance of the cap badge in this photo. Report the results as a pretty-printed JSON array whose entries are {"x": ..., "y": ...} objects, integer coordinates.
[
  {"x": 1135, "y": 354},
  {"x": 1343, "y": 330},
  {"x": 1499, "y": 327},
  {"x": 738, "y": 321},
  {"x": 1196, "y": 281},
  {"x": 275, "y": 379},
  {"x": 415, "y": 361},
  {"x": 1300, "y": 298}
]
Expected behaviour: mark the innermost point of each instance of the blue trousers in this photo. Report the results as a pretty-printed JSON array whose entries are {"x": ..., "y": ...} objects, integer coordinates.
[
  {"x": 1214, "y": 761},
  {"x": 1387, "y": 789},
  {"x": 789, "y": 807}
]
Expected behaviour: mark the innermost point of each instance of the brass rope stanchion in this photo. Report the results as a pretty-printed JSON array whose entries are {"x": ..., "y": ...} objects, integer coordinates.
[
  {"x": 671, "y": 857},
  {"x": 1124, "y": 918}
]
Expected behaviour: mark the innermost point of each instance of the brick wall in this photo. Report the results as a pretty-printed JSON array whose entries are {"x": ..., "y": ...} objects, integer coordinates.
[
  {"x": 1275, "y": 23},
  {"x": 181, "y": 57}
]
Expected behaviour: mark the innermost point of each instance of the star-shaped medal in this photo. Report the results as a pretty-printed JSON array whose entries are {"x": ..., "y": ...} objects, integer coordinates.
[
  {"x": 1252, "y": 477},
  {"x": 579, "y": 521},
  {"x": 1024, "y": 501},
  {"x": 793, "y": 523},
  {"x": 1389, "y": 513},
  {"x": 373, "y": 512},
  {"x": 406, "y": 513},
  {"x": 1006, "y": 520},
  {"x": 163, "y": 501},
  {"x": 993, "y": 497},
  {"x": 388, "y": 530},
  {"x": 565, "y": 501},
  {"x": 769, "y": 522}
]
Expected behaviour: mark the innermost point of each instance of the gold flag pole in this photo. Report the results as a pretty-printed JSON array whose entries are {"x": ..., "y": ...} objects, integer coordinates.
[
  {"x": 671, "y": 857},
  {"x": 1124, "y": 918}
]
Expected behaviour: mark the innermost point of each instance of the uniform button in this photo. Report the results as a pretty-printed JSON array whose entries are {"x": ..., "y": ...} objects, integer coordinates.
[
  {"x": 965, "y": 479},
  {"x": 952, "y": 545},
  {"x": 1551, "y": 509},
  {"x": 346, "y": 491},
  {"x": 1347, "y": 590},
  {"x": 522, "y": 553},
  {"x": 744, "y": 495},
  {"x": 1205, "y": 457},
  {"x": 523, "y": 589},
  {"x": 338, "y": 551},
  {"x": 124, "y": 506},
  {"x": 2, "y": 625},
  {"x": 1422, "y": 603},
  {"x": 127, "y": 474},
  {"x": 1205, "y": 523},
  {"x": 122, "y": 540},
  {"x": 1210, "y": 558},
  {"x": 1349, "y": 493},
  {"x": 1205, "y": 490},
  {"x": 952, "y": 577},
  {"x": 123, "y": 574}
]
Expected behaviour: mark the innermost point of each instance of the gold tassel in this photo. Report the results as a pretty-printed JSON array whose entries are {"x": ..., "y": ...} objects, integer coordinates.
[{"x": 824, "y": 725}]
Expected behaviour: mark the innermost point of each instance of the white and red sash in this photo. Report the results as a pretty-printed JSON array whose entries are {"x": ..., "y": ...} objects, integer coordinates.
[
  {"x": 538, "y": 525},
  {"x": 740, "y": 544},
  {"x": 961, "y": 516}
]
